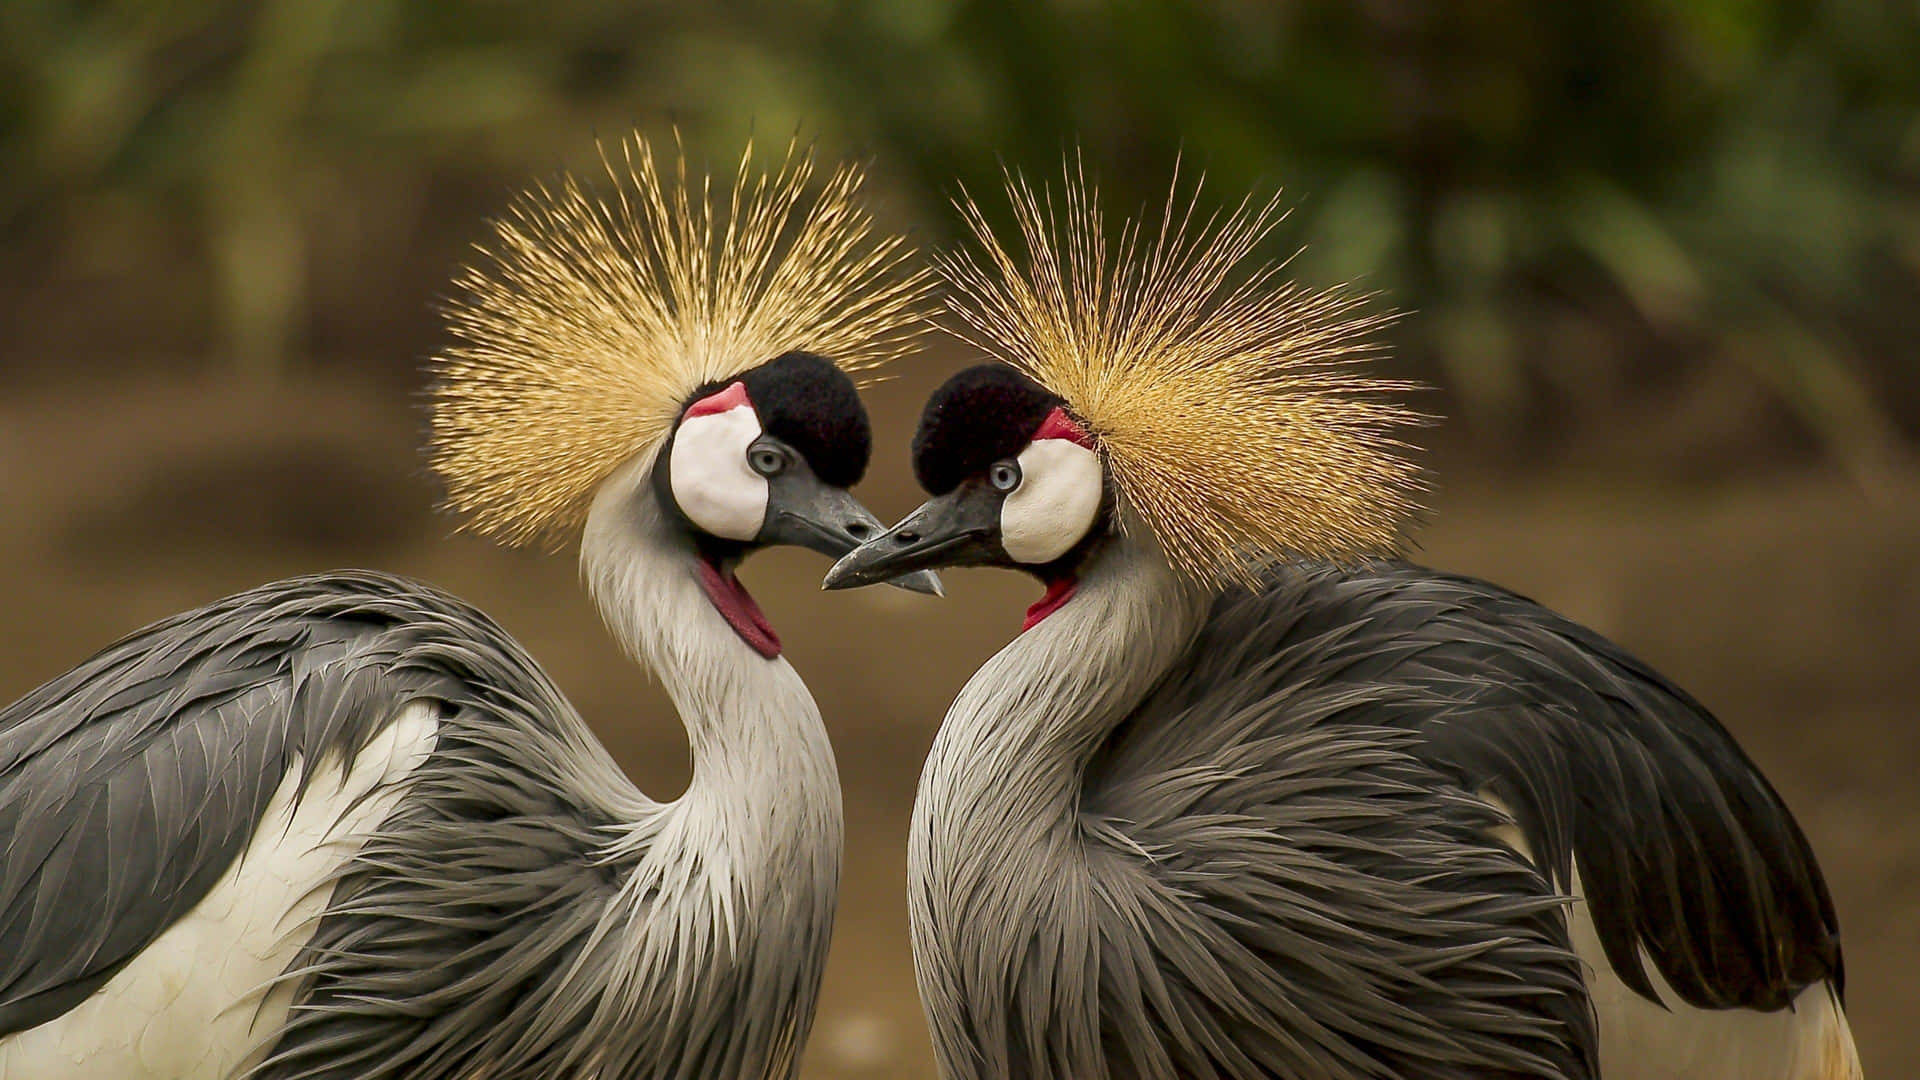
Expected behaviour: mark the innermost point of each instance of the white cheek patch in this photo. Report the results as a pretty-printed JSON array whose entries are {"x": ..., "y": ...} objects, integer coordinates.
[
  {"x": 709, "y": 475},
  {"x": 1055, "y": 504}
]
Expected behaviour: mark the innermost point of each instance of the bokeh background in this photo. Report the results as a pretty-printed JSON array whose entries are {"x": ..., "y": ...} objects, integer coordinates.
[{"x": 1660, "y": 258}]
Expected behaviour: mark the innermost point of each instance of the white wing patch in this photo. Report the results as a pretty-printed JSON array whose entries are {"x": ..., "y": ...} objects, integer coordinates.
[
  {"x": 1639, "y": 1040},
  {"x": 709, "y": 475},
  {"x": 195, "y": 1004},
  {"x": 1054, "y": 506}
]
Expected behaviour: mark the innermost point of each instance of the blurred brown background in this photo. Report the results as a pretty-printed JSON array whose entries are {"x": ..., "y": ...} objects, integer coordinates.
[{"x": 1662, "y": 264}]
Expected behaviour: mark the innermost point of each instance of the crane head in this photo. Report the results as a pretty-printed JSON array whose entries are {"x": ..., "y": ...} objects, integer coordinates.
[
  {"x": 1016, "y": 481},
  {"x": 765, "y": 459},
  {"x": 605, "y": 308},
  {"x": 655, "y": 325},
  {"x": 1159, "y": 379}
]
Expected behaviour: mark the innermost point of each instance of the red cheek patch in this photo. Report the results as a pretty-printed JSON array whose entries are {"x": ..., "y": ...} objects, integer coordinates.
[
  {"x": 734, "y": 396},
  {"x": 1058, "y": 425}
]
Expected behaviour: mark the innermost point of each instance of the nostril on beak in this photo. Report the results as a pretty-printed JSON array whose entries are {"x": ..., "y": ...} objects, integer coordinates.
[
  {"x": 908, "y": 537},
  {"x": 859, "y": 530}
]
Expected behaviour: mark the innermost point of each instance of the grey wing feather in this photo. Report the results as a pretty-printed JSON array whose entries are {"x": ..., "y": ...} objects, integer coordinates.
[
  {"x": 1316, "y": 899},
  {"x": 130, "y": 784},
  {"x": 468, "y": 935},
  {"x": 1684, "y": 848}
]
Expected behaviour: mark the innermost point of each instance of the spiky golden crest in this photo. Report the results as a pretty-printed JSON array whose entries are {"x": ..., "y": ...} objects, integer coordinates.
[
  {"x": 596, "y": 313},
  {"x": 1222, "y": 397}
]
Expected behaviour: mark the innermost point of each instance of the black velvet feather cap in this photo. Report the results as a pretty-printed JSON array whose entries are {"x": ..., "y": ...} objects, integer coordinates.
[
  {"x": 985, "y": 413},
  {"x": 807, "y": 402}
]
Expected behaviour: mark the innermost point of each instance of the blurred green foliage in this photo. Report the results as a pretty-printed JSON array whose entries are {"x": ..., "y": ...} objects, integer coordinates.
[{"x": 1578, "y": 201}]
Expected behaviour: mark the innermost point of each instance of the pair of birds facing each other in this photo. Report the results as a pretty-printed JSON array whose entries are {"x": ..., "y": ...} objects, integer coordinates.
[{"x": 1247, "y": 797}]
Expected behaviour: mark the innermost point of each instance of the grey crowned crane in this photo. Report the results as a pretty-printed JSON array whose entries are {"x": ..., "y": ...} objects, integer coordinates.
[
  {"x": 344, "y": 827},
  {"x": 1248, "y": 797}
]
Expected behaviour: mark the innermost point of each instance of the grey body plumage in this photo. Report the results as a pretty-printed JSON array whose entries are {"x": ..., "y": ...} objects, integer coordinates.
[
  {"x": 188, "y": 893},
  {"x": 1267, "y": 851},
  {"x": 1346, "y": 820},
  {"x": 1688, "y": 852},
  {"x": 1233, "y": 865},
  {"x": 483, "y": 930}
]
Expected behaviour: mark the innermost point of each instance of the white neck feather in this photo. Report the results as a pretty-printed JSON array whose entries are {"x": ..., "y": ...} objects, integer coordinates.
[{"x": 751, "y": 852}]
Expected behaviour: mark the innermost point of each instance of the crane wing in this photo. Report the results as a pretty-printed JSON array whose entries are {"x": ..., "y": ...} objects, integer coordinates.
[
  {"x": 130, "y": 784},
  {"x": 1685, "y": 851},
  {"x": 1287, "y": 886}
]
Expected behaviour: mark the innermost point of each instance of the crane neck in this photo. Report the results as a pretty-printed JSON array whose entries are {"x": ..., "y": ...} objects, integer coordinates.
[
  {"x": 1034, "y": 714},
  {"x": 764, "y": 782},
  {"x": 997, "y": 848},
  {"x": 728, "y": 892}
]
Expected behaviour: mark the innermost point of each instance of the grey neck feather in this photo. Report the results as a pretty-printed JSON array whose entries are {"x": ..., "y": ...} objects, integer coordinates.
[
  {"x": 754, "y": 730},
  {"x": 1038, "y": 709},
  {"x": 746, "y": 863},
  {"x": 992, "y": 852}
]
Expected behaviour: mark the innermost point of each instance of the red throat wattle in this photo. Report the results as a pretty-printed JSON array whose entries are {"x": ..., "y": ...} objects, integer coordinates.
[
  {"x": 731, "y": 600},
  {"x": 1059, "y": 591}
]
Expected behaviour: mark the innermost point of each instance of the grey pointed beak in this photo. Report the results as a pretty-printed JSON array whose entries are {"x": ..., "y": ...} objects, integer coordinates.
[
  {"x": 831, "y": 521},
  {"x": 957, "y": 529}
]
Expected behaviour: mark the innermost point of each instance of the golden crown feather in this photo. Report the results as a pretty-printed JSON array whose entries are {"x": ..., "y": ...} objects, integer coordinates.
[
  {"x": 596, "y": 311},
  {"x": 1225, "y": 400}
]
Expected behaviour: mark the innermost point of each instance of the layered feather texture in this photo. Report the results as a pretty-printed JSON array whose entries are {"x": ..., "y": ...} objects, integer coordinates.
[
  {"x": 521, "y": 911},
  {"x": 596, "y": 312},
  {"x": 1224, "y": 398}
]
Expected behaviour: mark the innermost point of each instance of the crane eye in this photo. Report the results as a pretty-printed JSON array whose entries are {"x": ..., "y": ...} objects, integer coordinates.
[
  {"x": 1004, "y": 476},
  {"x": 767, "y": 461}
]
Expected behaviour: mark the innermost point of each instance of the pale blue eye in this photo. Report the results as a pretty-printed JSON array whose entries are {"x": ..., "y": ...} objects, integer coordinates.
[
  {"x": 767, "y": 461},
  {"x": 1004, "y": 476}
]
